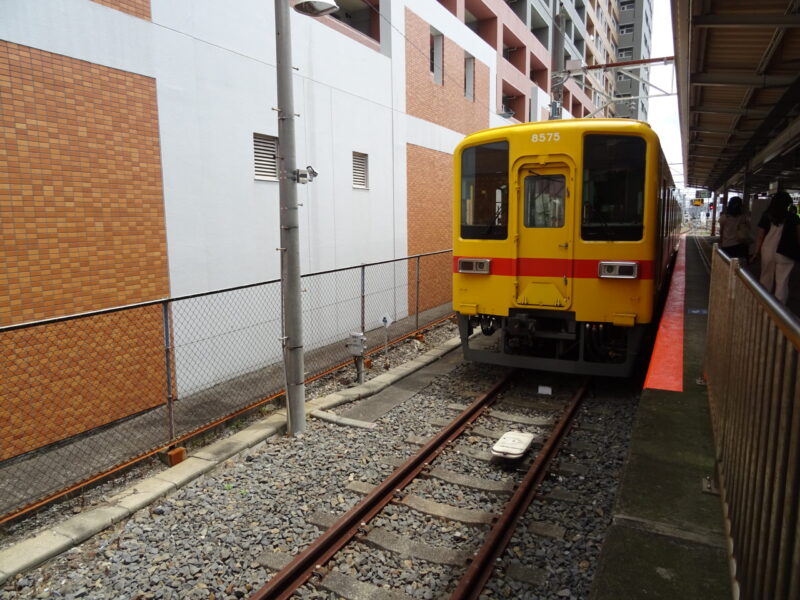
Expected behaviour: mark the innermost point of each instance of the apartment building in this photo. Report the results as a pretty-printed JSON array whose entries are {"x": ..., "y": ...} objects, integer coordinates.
[
  {"x": 586, "y": 36},
  {"x": 635, "y": 29},
  {"x": 590, "y": 39}
]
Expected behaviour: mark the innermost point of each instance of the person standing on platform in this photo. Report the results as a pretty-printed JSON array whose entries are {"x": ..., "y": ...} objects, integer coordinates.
[
  {"x": 734, "y": 230},
  {"x": 778, "y": 243}
]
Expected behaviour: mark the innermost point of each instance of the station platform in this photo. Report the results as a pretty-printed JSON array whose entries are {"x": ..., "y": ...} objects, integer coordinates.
[{"x": 668, "y": 538}]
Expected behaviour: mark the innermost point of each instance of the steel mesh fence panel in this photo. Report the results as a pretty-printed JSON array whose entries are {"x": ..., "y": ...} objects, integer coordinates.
[
  {"x": 83, "y": 395},
  {"x": 228, "y": 353},
  {"x": 331, "y": 311},
  {"x": 78, "y": 397},
  {"x": 436, "y": 281},
  {"x": 385, "y": 296},
  {"x": 333, "y": 306}
]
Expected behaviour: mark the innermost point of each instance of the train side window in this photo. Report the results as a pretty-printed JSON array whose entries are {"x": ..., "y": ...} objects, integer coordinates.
[
  {"x": 613, "y": 188},
  {"x": 484, "y": 192},
  {"x": 544, "y": 200}
]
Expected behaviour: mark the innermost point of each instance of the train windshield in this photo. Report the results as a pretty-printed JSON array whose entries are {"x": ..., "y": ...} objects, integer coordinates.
[
  {"x": 544, "y": 200},
  {"x": 484, "y": 192},
  {"x": 613, "y": 188}
]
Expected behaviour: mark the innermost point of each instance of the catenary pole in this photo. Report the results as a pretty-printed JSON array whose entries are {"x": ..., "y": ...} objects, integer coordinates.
[
  {"x": 289, "y": 222},
  {"x": 557, "y": 65}
]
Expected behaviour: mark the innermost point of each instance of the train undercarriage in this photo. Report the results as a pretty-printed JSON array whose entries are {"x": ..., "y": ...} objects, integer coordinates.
[{"x": 551, "y": 341}]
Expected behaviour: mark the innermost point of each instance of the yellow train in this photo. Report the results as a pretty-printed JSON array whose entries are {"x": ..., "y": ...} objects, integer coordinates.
[{"x": 563, "y": 236}]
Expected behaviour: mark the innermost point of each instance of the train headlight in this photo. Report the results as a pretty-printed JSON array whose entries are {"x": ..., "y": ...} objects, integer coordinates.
[
  {"x": 480, "y": 266},
  {"x": 618, "y": 270}
]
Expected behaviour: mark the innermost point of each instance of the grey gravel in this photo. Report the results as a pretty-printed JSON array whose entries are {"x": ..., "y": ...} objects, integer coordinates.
[
  {"x": 208, "y": 539},
  {"x": 604, "y": 424}
]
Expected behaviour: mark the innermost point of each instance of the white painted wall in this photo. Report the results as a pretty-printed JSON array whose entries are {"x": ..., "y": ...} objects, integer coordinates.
[
  {"x": 215, "y": 90},
  {"x": 80, "y": 29},
  {"x": 219, "y": 87}
]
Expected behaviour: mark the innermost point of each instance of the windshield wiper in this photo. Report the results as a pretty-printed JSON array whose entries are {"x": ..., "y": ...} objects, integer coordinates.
[{"x": 494, "y": 222}]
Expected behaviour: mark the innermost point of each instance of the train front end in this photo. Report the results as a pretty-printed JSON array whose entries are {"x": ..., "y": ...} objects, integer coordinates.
[{"x": 556, "y": 244}]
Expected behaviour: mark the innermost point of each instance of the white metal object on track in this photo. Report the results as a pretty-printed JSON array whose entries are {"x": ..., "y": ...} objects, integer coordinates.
[{"x": 512, "y": 444}]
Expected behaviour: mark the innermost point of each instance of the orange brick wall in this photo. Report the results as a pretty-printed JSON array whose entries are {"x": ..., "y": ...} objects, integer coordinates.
[
  {"x": 137, "y": 8},
  {"x": 430, "y": 227},
  {"x": 430, "y": 172},
  {"x": 81, "y": 228},
  {"x": 444, "y": 104},
  {"x": 81, "y": 201},
  {"x": 64, "y": 378}
]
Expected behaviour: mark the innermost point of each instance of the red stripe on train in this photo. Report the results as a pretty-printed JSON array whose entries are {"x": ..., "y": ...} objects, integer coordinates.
[{"x": 551, "y": 267}]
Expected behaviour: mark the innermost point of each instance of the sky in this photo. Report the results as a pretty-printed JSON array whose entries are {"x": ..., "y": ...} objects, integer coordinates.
[{"x": 663, "y": 112}]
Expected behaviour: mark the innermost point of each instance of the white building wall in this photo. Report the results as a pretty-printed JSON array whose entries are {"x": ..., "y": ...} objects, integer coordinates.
[
  {"x": 80, "y": 29},
  {"x": 215, "y": 92},
  {"x": 214, "y": 66},
  {"x": 215, "y": 75}
]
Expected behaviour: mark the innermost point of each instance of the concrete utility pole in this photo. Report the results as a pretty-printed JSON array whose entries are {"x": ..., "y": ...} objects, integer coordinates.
[
  {"x": 294, "y": 361},
  {"x": 289, "y": 177}
]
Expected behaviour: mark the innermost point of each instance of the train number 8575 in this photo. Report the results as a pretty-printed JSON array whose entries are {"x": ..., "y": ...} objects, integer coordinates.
[{"x": 549, "y": 136}]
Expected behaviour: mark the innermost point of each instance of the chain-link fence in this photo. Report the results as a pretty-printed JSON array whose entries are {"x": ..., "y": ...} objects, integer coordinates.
[{"x": 81, "y": 396}]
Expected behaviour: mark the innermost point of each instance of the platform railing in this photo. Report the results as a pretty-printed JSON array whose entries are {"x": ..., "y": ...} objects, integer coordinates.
[
  {"x": 754, "y": 393},
  {"x": 84, "y": 395}
]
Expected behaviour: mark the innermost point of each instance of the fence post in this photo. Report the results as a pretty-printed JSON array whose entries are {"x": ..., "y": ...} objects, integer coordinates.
[
  {"x": 363, "y": 301},
  {"x": 168, "y": 366},
  {"x": 416, "y": 324}
]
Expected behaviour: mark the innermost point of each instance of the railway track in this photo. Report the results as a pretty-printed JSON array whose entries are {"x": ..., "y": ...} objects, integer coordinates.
[
  {"x": 225, "y": 534},
  {"x": 703, "y": 246},
  {"x": 473, "y": 563}
]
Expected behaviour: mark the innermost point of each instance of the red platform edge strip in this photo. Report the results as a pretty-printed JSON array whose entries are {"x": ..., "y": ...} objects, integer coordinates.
[{"x": 666, "y": 363}]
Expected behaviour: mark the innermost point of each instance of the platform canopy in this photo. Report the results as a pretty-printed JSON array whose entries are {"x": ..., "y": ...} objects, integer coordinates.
[{"x": 738, "y": 71}]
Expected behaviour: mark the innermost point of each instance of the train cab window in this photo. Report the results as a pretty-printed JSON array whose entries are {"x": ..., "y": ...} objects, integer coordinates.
[
  {"x": 484, "y": 192},
  {"x": 613, "y": 188},
  {"x": 544, "y": 200}
]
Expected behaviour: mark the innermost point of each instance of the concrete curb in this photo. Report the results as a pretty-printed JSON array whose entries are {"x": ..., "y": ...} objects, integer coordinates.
[
  {"x": 50, "y": 543},
  {"x": 337, "y": 420}
]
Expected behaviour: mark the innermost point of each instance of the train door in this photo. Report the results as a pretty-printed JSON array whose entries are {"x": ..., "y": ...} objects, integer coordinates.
[{"x": 545, "y": 241}]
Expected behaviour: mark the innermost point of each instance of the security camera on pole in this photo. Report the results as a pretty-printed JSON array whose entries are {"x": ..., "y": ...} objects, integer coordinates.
[{"x": 290, "y": 176}]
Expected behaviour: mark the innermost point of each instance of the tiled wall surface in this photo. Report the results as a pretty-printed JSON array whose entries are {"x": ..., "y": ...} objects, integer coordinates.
[
  {"x": 430, "y": 228},
  {"x": 81, "y": 203},
  {"x": 137, "y": 8},
  {"x": 430, "y": 172},
  {"x": 443, "y": 104},
  {"x": 62, "y": 379},
  {"x": 81, "y": 228}
]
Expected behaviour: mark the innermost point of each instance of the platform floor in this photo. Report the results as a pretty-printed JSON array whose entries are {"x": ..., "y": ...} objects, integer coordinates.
[{"x": 667, "y": 539}]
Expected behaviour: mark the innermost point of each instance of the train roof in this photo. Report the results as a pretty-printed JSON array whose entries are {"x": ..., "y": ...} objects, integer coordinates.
[{"x": 561, "y": 124}]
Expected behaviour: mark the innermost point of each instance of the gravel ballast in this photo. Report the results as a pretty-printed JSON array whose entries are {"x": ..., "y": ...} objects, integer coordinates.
[{"x": 212, "y": 538}]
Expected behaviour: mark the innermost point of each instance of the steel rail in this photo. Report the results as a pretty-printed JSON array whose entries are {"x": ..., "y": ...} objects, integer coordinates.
[
  {"x": 480, "y": 569},
  {"x": 284, "y": 583}
]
